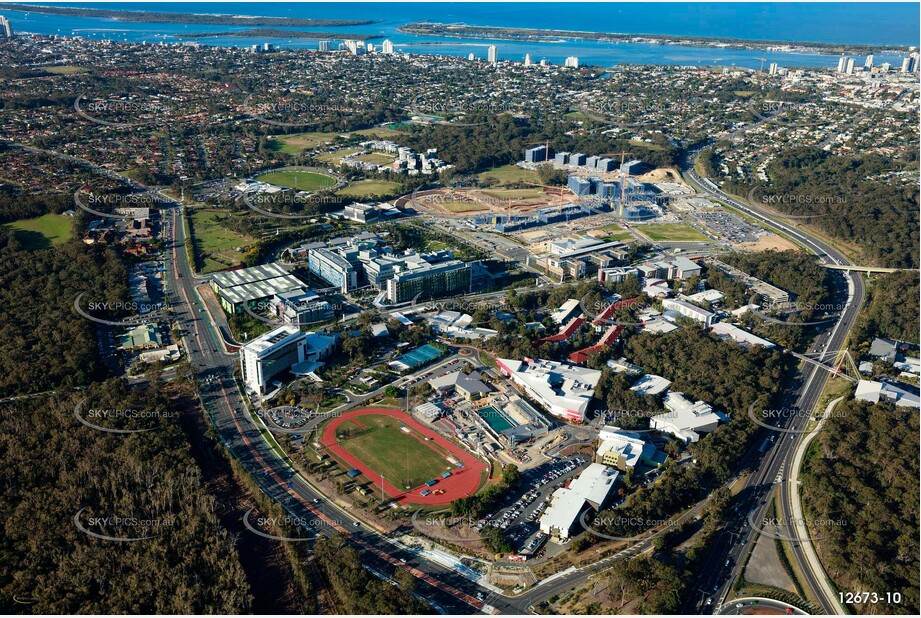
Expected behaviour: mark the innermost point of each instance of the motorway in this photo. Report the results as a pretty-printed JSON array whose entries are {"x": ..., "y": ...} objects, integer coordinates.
[{"x": 727, "y": 552}]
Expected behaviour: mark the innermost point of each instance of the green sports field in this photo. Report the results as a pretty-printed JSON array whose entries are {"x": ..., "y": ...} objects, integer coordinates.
[
  {"x": 369, "y": 188},
  {"x": 403, "y": 459},
  {"x": 42, "y": 232},
  {"x": 298, "y": 179}
]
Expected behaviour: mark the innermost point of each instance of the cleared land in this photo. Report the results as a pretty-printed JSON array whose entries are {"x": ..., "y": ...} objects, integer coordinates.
[
  {"x": 614, "y": 232},
  {"x": 66, "y": 69},
  {"x": 402, "y": 458},
  {"x": 216, "y": 245},
  {"x": 509, "y": 174},
  {"x": 664, "y": 232},
  {"x": 379, "y": 132},
  {"x": 513, "y": 194},
  {"x": 298, "y": 179},
  {"x": 376, "y": 157},
  {"x": 334, "y": 157},
  {"x": 368, "y": 188},
  {"x": 42, "y": 232}
]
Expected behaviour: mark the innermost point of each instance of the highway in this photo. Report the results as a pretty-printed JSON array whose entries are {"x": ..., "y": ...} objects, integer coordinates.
[{"x": 729, "y": 548}]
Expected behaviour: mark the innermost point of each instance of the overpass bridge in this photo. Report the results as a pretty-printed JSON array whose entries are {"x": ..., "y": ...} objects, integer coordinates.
[{"x": 865, "y": 269}]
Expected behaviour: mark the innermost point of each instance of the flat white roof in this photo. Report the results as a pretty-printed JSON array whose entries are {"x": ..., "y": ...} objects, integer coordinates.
[
  {"x": 264, "y": 344},
  {"x": 651, "y": 384},
  {"x": 739, "y": 334},
  {"x": 567, "y": 386}
]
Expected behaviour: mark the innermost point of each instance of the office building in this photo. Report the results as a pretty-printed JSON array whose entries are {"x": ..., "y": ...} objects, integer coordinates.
[
  {"x": 593, "y": 489},
  {"x": 561, "y": 158},
  {"x": 565, "y": 391},
  {"x": 6, "y": 30},
  {"x": 650, "y": 384},
  {"x": 572, "y": 62},
  {"x": 624, "y": 451},
  {"x": 423, "y": 279},
  {"x": 301, "y": 307},
  {"x": 686, "y": 420},
  {"x": 577, "y": 159},
  {"x": 271, "y": 354},
  {"x": 387, "y": 46},
  {"x": 567, "y": 311},
  {"x": 537, "y": 154},
  {"x": 332, "y": 267},
  {"x": 632, "y": 167},
  {"x": 592, "y": 162},
  {"x": 491, "y": 54},
  {"x": 237, "y": 289}
]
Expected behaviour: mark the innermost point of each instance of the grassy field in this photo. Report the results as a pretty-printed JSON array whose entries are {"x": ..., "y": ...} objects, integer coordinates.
[
  {"x": 504, "y": 194},
  {"x": 378, "y": 132},
  {"x": 67, "y": 69},
  {"x": 42, "y": 232},
  {"x": 664, "y": 232},
  {"x": 509, "y": 174},
  {"x": 458, "y": 206},
  {"x": 615, "y": 232},
  {"x": 400, "y": 457},
  {"x": 296, "y": 142},
  {"x": 368, "y": 188},
  {"x": 216, "y": 244},
  {"x": 435, "y": 245},
  {"x": 377, "y": 158},
  {"x": 298, "y": 179},
  {"x": 333, "y": 157}
]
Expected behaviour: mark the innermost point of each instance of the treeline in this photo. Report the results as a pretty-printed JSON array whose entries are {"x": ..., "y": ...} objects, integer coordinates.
[
  {"x": 44, "y": 343},
  {"x": 58, "y": 476},
  {"x": 359, "y": 592},
  {"x": 850, "y": 200},
  {"x": 891, "y": 308},
  {"x": 862, "y": 476},
  {"x": 501, "y": 140},
  {"x": 482, "y": 503},
  {"x": 15, "y": 205}
]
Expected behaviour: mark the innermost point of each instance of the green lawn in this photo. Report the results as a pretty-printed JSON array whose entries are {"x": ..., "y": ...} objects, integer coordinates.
[
  {"x": 42, "y": 232},
  {"x": 296, "y": 142},
  {"x": 402, "y": 458},
  {"x": 298, "y": 179},
  {"x": 514, "y": 194},
  {"x": 67, "y": 69},
  {"x": 368, "y": 188},
  {"x": 509, "y": 174},
  {"x": 615, "y": 233},
  {"x": 216, "y": 244},
  {"x": 671, "y": 232},
  {"x": 379, "y": 133}
]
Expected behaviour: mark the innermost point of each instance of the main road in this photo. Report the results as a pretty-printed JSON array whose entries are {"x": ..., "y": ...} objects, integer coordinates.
[{"x": 727, "y": 552}]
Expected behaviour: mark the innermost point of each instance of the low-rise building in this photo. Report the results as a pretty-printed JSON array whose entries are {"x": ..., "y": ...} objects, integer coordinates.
[
  {"x": 624, "y": 450},
  {"x": 685, "y": 419},
  {"x": 593, "y": 489},
  {"x": 688, "y": 310},
  {"x": 237, "y": 289},
  {"x": 739, "y": 335},
  {"x": 470, "y": 385},
  {"x": 874, "y": 392},
  {"x": 651, "y": 384},
  {"x": 565, "y": 391}
]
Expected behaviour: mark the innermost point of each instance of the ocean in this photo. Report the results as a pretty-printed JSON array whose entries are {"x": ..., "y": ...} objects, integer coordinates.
[{"x": 876, "y": 24}]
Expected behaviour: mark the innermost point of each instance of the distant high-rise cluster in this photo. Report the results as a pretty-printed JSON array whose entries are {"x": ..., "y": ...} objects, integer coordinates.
[
  {"x": 323, "y": 46},
  {"x": 6, "y": 30},
  {"x": 387, "y": 46},
  {"x": 572, "y": 61}
]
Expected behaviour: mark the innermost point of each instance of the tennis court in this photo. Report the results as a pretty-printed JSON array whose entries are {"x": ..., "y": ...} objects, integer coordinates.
[{"x": 419, "y": 356}]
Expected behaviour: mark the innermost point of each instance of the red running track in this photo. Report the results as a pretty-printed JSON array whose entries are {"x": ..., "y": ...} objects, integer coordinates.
[{"x": 462, "y": 482}]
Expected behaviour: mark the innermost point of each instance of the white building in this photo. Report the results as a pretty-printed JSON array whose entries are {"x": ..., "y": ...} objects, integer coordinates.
[
  {"x": 567, "y": 311},
  {"x": 739, "y": 335},
  {"x": 650, "y": 384},
  {"x": 686, "y": 420},
  {"x": 491, "y": 54},
  {"x": 387, "y": 46},
  {"x": 688, "y": 310},
  {"x": 572, "y": 61},
  {"x": 563, "y": 390},
  {"x": 593, "y": 489},
  {"x": 527, "y": 60},
  {"x": 874, "y": 392},
  {"x": 622, "y": 450},
  {"x": 270, "y": 354}
]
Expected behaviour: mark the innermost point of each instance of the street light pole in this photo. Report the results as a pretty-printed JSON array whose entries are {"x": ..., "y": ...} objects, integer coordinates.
[{"x": 382, "y": 489}]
